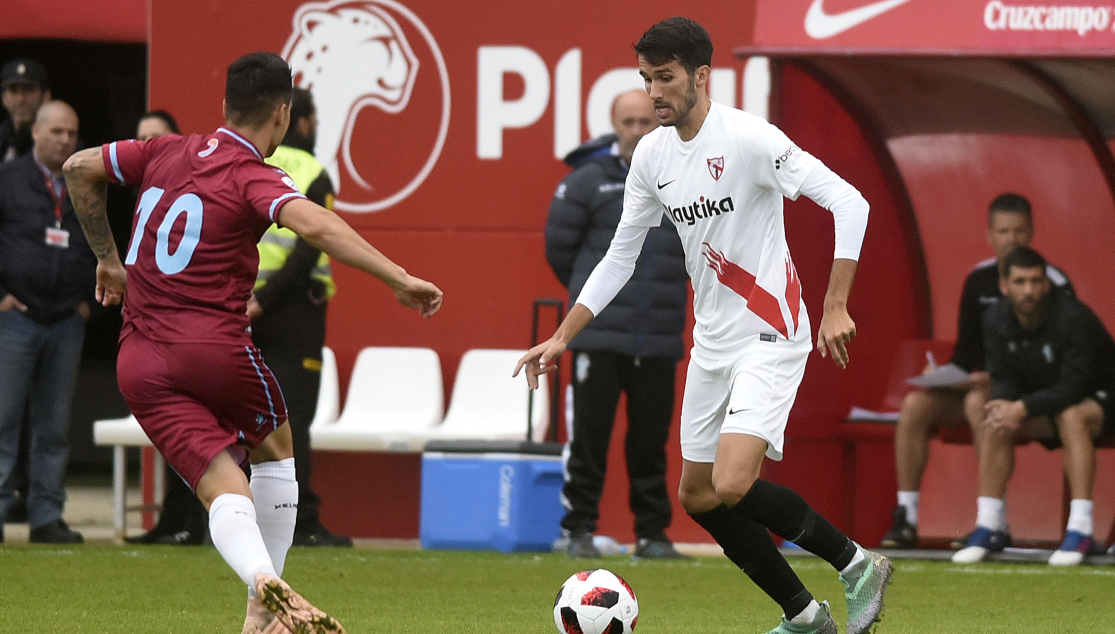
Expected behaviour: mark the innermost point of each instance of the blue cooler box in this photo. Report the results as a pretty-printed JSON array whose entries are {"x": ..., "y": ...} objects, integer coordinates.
[{"x": 491, "y": 495}]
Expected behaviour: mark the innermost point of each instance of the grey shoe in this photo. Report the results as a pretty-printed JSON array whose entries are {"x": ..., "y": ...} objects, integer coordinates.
[
  {"x": 822, "y": 624},
  {"x": 656, "y": 549},
  {"x": 581, "y": 547},
  {"x": 864, "y": 588}
]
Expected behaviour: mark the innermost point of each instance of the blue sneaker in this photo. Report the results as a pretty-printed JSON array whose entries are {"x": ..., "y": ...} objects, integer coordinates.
[
  {"x": 1073, "y": 549},
  {"x": 982, "y": 541}
]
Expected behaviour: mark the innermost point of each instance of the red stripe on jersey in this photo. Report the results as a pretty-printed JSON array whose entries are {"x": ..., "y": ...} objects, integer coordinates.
[
  {"x": 793, "y": 291},
  {"x": 759, "y": 301}
]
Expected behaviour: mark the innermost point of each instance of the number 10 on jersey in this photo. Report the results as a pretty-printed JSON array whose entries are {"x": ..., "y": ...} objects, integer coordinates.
[{"x": 168, "y": 263}]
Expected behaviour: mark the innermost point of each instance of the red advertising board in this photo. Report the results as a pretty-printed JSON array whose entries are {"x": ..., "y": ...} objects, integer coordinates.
[
  {"x": 981, "y": 27},
  {"x": 441, "y": 124}
]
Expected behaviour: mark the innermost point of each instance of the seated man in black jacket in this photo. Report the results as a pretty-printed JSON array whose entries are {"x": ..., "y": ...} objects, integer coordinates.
[
  {"x": 1052, "y": 367},
  {"x": 1009, "y": 225},
  {"x": 633, "y": 346}
]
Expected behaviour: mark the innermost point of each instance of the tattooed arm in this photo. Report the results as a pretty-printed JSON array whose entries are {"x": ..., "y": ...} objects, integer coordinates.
[{"x": 87, "y": 181}]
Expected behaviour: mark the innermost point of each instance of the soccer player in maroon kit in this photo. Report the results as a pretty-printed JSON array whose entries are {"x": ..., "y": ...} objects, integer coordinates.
[{"x": 187, "y": 366}]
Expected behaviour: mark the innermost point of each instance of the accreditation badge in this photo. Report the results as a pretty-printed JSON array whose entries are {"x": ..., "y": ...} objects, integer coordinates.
[{"x": 57, "y": 238}]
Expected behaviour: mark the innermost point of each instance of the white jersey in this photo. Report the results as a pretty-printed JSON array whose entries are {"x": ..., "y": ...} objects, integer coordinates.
[{"x": 723, "y": 190}]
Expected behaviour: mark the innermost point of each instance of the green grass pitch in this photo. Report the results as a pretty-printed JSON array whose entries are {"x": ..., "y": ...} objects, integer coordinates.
[{"x": 183, "y": 590}]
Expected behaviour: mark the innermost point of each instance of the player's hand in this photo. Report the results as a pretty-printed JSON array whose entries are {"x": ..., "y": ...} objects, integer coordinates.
[
  {"x": 539, "y": 360},
  {"x": 254, "y": 310},
  {"x": 11, "y": 303},
  {"x": 1006, "y": 415},
  {"x": 836, "y": 331},
  {"x": 112, "y": 279},
  {"x": 420, "y": 295}
]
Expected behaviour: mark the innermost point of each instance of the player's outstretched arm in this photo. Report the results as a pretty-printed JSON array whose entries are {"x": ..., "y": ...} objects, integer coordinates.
[
  {"x": 87, "y": 183},
  {"x": 540, "y": 359},
  {"x": 326, "y": 231},
  {"x": 837, "y": 327}
]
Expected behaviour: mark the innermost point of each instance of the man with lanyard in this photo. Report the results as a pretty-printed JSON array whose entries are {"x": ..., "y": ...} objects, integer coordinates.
[{"x": 47, "y": 273}]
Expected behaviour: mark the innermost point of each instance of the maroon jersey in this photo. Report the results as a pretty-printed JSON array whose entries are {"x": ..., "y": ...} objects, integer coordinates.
[{"x": 204, "y": 203}]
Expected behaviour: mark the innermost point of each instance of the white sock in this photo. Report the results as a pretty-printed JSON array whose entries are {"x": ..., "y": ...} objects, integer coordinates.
[
  {"x": 806, "y": 616},
  {"x": 232, "y": 525},
  {"x": 990, "y": 513},
  {"x": 856, "y": 558},
  {"x": 909, "y": 501},
  {"x": 276, "y": 503},
  {"x": 1080, "y": 516}
]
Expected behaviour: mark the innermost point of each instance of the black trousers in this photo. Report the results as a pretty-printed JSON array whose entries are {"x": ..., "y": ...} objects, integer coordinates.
[
  {"x": 300, "y": 385},
  {"x": 598, "y": 380}
]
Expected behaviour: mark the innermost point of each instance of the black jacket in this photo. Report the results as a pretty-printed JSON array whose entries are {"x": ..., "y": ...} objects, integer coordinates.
[
  {"x": 647, "y": 317},
  {"x": 293, "y": 302},
  {"x": 981, "y": 291},
  {"x": 13, "y": 144},
  {"x": 49, "y": 280},
  {"x": 1069, "y": 356}
]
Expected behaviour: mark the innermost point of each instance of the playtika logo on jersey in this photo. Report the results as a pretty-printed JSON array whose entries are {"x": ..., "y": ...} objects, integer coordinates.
[
  {"x": 379, "y": 82},
  {"x": 700, "y": 209}
]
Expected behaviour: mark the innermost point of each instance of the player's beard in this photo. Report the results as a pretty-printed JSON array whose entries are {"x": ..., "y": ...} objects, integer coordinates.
[{"x": 687, "y": 105}]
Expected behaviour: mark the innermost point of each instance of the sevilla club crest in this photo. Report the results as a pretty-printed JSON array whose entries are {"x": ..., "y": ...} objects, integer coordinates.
[{"x": 716, "y": 167}]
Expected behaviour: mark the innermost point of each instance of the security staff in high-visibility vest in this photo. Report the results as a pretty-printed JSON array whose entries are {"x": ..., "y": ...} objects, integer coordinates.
[{"x": 287, "y": 308}]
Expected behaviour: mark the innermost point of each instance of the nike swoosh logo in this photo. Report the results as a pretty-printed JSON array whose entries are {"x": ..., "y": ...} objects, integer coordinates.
[
  {"x": 820, "y": 25},
  {"x": 661, "y": 185},
  {"x": 731, "y": 411}
]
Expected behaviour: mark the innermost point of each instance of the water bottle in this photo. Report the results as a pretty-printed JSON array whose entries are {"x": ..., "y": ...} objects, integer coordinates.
[{"x": 608, "y": 546}]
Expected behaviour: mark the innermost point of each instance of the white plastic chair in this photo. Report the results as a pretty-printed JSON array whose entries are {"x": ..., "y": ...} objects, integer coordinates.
[
  {"x": 489, "y": 404},
  {"x": 394, "y": 393},
  {"x": 329, "y": 396},
  {"x": 121, "y": 433}
]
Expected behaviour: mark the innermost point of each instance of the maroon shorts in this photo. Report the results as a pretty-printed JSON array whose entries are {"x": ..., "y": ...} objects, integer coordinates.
[{"x": 195, "y": 400}]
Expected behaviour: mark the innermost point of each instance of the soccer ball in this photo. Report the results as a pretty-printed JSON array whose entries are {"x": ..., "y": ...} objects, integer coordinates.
[{"x": 595, "y": 602}]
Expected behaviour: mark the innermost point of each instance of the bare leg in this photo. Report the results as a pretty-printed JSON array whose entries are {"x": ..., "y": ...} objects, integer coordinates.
[
  {"x": 1077, "y": 426},
  {"x": 922, "y": 411}
]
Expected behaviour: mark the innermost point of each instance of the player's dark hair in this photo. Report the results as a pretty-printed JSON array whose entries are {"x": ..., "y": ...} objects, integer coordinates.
[
  {"x": 165, "y": 117},
  {"x": 1023, "y": 258},
  {"x": 257, "y": 83},
  {"x": 676, "y": 38},
  {"x": 1010, "y": 203}
]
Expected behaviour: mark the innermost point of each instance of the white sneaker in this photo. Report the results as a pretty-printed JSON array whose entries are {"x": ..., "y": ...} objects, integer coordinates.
[
  {"x": 982, "y": 541},
  {"x": 969, "y": 555},
  {"x": 1073, "y": 549}
]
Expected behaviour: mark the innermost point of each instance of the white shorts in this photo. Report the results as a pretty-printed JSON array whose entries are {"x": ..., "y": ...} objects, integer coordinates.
[{"x": 751, "y": 394}]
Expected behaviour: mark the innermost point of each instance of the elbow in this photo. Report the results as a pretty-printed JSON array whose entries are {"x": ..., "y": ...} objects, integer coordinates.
[{"x": 72, "y": 167}]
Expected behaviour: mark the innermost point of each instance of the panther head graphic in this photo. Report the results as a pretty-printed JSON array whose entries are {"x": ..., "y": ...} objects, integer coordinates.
[{"x": 349, "y": 54}]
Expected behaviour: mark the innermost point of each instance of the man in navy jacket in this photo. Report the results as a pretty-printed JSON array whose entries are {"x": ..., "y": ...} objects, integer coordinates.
[
  {"x": 47, "y": 277},
  {"x": 633, "y": 346}
]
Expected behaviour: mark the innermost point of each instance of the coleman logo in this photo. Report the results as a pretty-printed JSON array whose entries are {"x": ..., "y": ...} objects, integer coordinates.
[
  {"x": 716, "y": 167},
  {"x": 703, "y": 208},
  {"x": 363, "y": 60}
]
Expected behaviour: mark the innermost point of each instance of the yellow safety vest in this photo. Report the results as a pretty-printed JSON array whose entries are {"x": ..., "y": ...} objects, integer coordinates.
[{"x": 277, "y": 243}]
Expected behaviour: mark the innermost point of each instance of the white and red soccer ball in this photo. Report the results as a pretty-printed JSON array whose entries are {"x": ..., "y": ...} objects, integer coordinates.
[{"x": 595, "y": 602}]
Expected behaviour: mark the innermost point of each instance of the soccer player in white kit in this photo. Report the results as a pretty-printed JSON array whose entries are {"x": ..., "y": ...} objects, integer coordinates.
[{"x": 720, "y": 175}]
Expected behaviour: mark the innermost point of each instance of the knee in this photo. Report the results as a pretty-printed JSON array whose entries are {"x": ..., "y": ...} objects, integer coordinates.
[
  {"x": 697, "y": 499},
  {"x": 730, "y": 488},
  {"x": 1078, "y": 423},
  {"x": 915, "y": 410}
]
